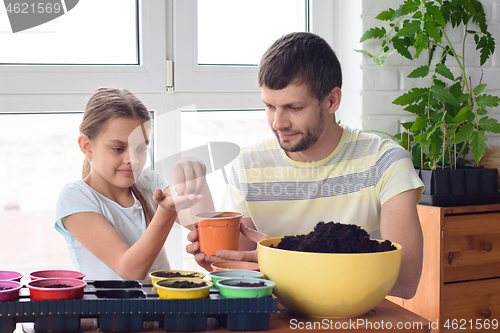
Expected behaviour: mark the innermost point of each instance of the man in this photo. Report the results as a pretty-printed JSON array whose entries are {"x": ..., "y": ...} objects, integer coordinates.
[{"x": 316, "y": 170}]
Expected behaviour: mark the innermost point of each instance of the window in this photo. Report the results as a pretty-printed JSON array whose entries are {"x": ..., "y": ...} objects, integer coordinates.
[
  {"x": 62, "y": 39},
  {"x": 148, "y": 73},
  {"x": 228, "y": 32},
  {"x": 34, "y": 165},
  {"x": 40, "y": 110},
  {"x": 244, "y": 29}
]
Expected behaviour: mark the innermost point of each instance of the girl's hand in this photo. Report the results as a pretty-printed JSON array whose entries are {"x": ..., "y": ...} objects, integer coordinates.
[
  {"x": 189, "y": 177},
  {"x": 172, "y": 202}
]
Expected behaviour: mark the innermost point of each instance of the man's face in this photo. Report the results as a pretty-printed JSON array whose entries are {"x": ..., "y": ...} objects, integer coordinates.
[{"x": 294, "y": 115}]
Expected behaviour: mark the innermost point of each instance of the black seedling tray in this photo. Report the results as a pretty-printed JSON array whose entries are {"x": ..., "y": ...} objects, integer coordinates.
[{"x": 124, "y": 306}]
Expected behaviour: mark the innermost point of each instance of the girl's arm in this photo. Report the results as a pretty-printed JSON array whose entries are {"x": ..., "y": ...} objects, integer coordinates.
[{"x": 94, "y": 232}]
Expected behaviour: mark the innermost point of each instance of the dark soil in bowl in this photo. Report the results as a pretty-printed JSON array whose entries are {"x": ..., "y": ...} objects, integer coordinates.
[
  {"x": 58, "y": 285},
  {"x": 248, "y": 284},
  {"x": 175, "y": 275},
  {"x": 5, "y": 288},
  {"x": 334, "y": 237},
  {"x": 185, "y": 284}
]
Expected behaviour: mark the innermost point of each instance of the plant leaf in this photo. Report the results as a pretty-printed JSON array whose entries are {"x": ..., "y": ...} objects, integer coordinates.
[
  {"x": 462, "y": 114},
  {"x": 481, "y": 111},
  {"x": 400, "y": 45},
  {"x": 463, "y": 134},
  {"x": 421, "y": 71},
  {"x": 417, "y": 109},
  {"x": 487, "y": 46},
  {"x": 386, "y": 15},
  {"x": 420, "y": 139},
  {"x": 489, "y": 125},
  {"x": 408, "y": 7},
  {"x": 411, "y": 96},
  {"x": 444, "y": 71},
  {"x": 479, "y": 89},
  {"x": 373, "y": 33},
  {"x": 407, "y": 125},
  {"x": 409, "y": 28},
  {"x": 419, "y": 123},
  {"x": 432, "y": 31},
  {"x": 380, "y": 60},
  {"x": 436, "y": 143},
  {"x": 444, "y": 95},
  {"x": 436, "y": 14},
  {"x": 365, "y": 52},
  {"x": 463, "y": 98},
  {"x": 478, "y": 145},
  {"x": 487, "y": 100}
]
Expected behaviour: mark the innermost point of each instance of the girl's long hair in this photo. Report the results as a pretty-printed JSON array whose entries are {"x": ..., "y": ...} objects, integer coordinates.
[{"x": 105, "y": 104}]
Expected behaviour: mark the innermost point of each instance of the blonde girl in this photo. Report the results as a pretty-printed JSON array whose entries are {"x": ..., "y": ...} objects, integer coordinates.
[{"x": 115, "y": 220}]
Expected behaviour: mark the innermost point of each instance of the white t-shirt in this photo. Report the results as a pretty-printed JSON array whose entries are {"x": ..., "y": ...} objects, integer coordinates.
[{"x": 129, "y": 222}]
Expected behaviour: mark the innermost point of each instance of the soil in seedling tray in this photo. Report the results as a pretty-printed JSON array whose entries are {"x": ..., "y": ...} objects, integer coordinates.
[
  {"x": 174, "y": 274},
  {"x": 186, "y": 284},
  {"x": 334, "y": 237},
  {"x": 248, "y": 284},
  {"x": 5, "y": 288},
  {"x": 59, "y": 285}
]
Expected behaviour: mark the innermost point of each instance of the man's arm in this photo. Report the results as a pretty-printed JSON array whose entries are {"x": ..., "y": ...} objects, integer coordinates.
[{"x": 399, "y": 223}]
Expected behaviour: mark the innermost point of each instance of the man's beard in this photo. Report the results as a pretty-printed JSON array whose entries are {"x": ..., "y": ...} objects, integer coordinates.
[{"x": 308, "y": 140}]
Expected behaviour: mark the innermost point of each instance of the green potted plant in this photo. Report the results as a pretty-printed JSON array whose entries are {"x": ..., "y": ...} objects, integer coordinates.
[{"x": 451, "y": 111}]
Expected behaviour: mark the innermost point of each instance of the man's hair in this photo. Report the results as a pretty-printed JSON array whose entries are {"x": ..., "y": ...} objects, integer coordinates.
[{"x": 303, "y": 57}]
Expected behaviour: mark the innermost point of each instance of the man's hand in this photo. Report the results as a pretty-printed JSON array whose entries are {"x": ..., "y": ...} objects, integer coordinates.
[{"x": 206, "y": 260}]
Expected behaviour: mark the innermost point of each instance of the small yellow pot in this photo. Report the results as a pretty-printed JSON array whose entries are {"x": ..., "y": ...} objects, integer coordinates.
[
  {"x": 185, "y": 274},
  {"x": 167, "y": 292}
]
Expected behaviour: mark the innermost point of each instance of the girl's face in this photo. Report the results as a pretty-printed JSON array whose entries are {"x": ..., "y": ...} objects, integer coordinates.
[{"x": 119, "y": 152}]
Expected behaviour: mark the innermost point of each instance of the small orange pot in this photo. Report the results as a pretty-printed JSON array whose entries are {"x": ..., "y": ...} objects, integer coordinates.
[{"x": 218, "y": 230}]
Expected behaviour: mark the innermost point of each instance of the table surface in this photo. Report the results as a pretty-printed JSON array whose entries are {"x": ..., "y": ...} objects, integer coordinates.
[{"x": 387, "y": 316}]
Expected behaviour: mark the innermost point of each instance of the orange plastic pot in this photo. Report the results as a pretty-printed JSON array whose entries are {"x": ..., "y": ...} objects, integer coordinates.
[{"x": 218, "y": 230}]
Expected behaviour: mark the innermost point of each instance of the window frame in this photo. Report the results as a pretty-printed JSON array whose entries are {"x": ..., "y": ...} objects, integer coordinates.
[
  {"x": 191, "y": 77},
  {"x": 67, "y": 87}
]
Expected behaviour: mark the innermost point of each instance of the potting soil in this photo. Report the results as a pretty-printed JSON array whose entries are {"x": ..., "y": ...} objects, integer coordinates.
[
  {"x": 186, "y": 284},
  {"x": 334, "y": 237},
  {"x": 175, "y": 274}
]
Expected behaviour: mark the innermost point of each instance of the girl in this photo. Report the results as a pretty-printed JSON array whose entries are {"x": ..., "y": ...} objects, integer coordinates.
[{"x": 116, "y": 219}]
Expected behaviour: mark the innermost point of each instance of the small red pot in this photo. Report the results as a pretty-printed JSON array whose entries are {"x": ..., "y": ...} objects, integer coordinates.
[
  {"x": 40, "y": 289},
  {"x": 10, "y": 276},
  {"x": 11, "y": 294},
  {"x": 56, "y": 273}
]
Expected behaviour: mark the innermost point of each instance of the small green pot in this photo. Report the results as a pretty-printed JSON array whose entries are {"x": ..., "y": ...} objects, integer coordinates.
[
  {"x": 233, "y": 274},
  {"x": 228, "y": 288}
]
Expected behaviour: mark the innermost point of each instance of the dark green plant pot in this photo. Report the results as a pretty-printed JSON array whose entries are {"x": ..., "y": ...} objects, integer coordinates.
[{"x": 459, "y": 187}]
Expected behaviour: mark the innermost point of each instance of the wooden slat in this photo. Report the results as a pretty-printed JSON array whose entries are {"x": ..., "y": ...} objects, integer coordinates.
[{"x": 470, "y": 209}]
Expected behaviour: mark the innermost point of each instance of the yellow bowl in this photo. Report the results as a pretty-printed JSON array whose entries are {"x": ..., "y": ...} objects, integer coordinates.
[
  {"x": 166, "y": 292},
  {"x": 329, "y": 285},
  {"x": 187, "y": 274}
]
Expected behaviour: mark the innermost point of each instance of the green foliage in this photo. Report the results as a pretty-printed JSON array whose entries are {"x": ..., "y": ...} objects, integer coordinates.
[{"x": 450, "y": 115}]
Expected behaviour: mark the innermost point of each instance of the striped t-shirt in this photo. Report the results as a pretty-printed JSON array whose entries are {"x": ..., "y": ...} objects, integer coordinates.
[{"x": 285, "y": 197}]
